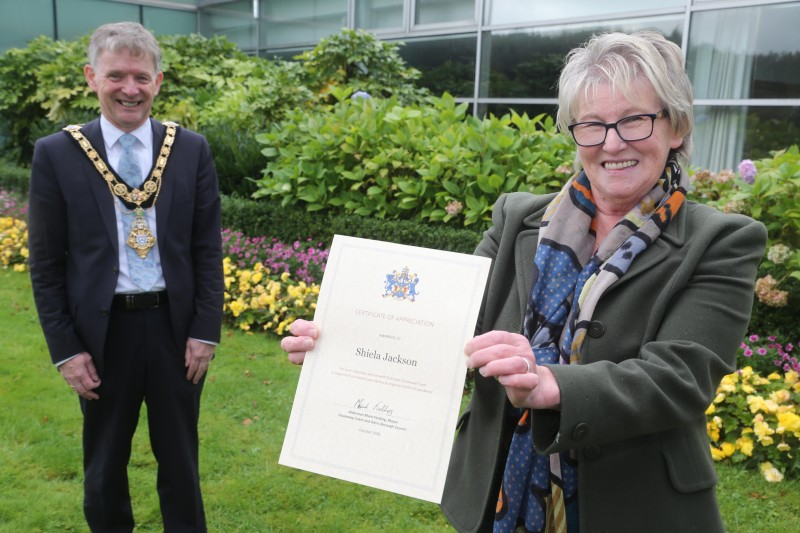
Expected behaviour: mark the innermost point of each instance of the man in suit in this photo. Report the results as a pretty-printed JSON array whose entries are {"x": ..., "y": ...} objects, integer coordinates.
[{"x": 126, "y": 268}]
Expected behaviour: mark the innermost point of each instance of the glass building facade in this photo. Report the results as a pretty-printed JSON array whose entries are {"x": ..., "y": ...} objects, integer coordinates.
[{"x": 743, "y": 57}]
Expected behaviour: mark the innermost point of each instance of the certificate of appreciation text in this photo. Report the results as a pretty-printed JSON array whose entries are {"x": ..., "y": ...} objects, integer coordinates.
[{"x": 378, "y": 398}]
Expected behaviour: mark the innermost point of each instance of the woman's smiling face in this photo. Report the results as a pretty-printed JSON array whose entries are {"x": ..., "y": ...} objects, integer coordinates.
[{"x": 622, "y": 172}]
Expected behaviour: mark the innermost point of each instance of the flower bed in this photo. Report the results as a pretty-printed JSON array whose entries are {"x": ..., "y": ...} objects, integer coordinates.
[{"x": 754, "y": 421}]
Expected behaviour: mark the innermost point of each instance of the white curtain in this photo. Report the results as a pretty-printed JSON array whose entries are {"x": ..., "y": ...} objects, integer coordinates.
[{"x": 722, "y": 44}]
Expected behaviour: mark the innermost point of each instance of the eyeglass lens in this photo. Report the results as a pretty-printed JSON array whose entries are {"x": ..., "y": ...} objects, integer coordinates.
[{"x": 634, "y": 128}]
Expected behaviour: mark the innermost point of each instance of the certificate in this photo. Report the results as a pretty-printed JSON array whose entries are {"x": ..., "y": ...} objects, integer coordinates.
[{"x": 379, "y": 396}]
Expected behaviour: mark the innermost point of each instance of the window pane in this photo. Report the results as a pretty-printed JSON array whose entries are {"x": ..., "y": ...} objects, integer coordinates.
[
  {"x": 301, "y": 21},
  {"x": 527, "y": 63},
  {"x": 443, "y": 11},
  {"x": 511, "y": 11},
  {"x": 169, "y": 21},
  {"x": 724, "y": 136},
  {"x": 379, "y": 14},
  {"x": 77, "y": 18},
  {"x": 447, "y": 64},
  {"x": 239, "y": 28},
  {"x": 751, "y": 52},
  {"x": 20, "y": 25}
]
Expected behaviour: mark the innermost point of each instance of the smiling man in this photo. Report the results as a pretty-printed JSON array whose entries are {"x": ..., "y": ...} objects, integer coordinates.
[{"x": 126, "y": 269}]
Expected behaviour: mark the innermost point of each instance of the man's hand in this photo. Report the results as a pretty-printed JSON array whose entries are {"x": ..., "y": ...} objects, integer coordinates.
[
  {"x": 80, "y": 374},
  {"x": 198, "y": 357}
]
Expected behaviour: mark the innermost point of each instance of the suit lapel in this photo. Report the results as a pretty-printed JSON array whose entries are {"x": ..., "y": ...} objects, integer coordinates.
[{"x": 104, "y": 198}]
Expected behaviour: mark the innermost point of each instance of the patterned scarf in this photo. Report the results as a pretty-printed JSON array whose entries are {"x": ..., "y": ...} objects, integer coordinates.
[{"x": 539, "y": 492}]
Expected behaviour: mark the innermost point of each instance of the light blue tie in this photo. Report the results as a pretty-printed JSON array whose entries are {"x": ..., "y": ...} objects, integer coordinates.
[{"x": 143, "y": 272}]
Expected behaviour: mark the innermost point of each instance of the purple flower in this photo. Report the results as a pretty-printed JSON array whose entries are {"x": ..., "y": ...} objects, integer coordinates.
[
  {"x": 747, "y": 171},
  {"x": 361, "y": 94}
]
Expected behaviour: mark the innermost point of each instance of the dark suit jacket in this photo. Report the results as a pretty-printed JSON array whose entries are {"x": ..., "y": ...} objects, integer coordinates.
[
  {"x": 661, "y": 339},
  {"x": 74, "y": 250}
]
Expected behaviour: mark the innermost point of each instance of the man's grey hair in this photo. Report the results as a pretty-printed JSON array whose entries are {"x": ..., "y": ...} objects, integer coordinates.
[{"x": 124, "y": 35}]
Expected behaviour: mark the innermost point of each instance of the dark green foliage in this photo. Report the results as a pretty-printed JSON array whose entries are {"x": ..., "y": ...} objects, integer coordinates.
[
  {"x": 357, "y": 60},
  {"x": 13, "y": 177},
  {"x": 432, "y": 162},
  {"x": 289, "y": 224}
]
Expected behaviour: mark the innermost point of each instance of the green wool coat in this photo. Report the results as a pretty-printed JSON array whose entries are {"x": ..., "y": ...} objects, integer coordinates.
[{"x": 661, "y": 339}]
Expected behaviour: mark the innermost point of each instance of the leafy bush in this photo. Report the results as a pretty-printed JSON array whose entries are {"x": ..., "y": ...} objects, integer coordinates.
[
  {"x": 376, "y": 158},
  {"x": 356, "y": 60},
  {"x": 14, "y": 178},
  {"x": 766, "y": 190},
  {"x": 289, "y": 224},
  {"x": 754, "y": 421},
  {"x": 42, "y": 88}
]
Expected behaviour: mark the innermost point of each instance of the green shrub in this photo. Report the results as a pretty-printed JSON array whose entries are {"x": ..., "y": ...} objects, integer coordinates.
[
  {"x": 13, "y": 177},
  {"x": 289, "y": 224},
  {"x": 767, "y": 190},
  {"x": 358, "y": 61},
  {"x": 376, "y": 158}
]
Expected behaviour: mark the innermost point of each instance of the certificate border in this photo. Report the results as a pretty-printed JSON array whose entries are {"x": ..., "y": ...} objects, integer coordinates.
[{"x": 436, "y": 479}]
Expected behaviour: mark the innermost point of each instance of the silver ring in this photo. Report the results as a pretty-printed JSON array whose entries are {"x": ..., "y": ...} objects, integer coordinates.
[{"x": 527, "y": 365}]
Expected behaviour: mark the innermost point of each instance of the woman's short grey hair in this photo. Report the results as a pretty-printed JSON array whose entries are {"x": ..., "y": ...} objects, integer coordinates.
[
  {"x": 124, "y": 35},
  {"x": 619, "y": 59}
]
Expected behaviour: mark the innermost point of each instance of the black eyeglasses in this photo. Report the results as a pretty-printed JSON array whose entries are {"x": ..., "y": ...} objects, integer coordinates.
[{"x": 632, "y": 128}]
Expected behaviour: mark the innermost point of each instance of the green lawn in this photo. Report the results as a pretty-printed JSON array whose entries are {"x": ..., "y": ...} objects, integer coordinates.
[{"x": 246, "y": 406}]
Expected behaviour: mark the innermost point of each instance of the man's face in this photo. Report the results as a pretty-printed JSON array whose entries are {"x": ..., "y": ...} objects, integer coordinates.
[{"x": 126, "y": 85}]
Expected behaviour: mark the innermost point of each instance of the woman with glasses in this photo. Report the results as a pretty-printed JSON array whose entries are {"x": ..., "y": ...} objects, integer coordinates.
[{"x": 613, "y": 310}]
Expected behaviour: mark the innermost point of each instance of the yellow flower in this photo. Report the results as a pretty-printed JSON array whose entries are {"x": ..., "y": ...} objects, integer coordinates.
[
  {"x": 771, "y": 473},
  {"x": 775, "y": 376},
  {"x": 719, "y": 398},
  {"x": 713, "y": 430},
  {"x": 728, "y": 448},
  {"x": 791, "y": 377},
  {"x": 783, "y": 447},
  {"x": 711, "y": 409},
  {"x": 756, "y": 404},
  {"x": 762, "y": 430},
  {"x": 790, "y": 422},
  {"x": 717, "y": 454},
  {"x": 284, "y": 277},
  {"x": 745, "y": 445},
  {"x": 237, "y": 306},
  {"x": 780, "y": 396}
]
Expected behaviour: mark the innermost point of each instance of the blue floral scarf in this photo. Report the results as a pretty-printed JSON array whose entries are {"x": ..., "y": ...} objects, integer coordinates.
[{"x": 539, "y": 492}]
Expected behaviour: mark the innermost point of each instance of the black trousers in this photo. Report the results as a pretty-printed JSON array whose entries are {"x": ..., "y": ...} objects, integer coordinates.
[{"x": 142, "y": 363}]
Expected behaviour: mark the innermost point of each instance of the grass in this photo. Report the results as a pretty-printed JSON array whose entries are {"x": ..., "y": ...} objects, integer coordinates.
[{"x": 246, "y": 405}]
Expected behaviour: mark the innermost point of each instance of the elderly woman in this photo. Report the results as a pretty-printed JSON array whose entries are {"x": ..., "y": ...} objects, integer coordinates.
[{"x": 612, "y": 312}]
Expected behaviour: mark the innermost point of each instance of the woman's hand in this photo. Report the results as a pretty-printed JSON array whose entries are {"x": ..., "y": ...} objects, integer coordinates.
[
  {"x": 508, "y": 357},
  {"x": 301, "y": 340}
]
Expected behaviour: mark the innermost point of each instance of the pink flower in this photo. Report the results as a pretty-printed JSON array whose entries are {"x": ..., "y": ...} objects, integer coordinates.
[
  {"x": 747, "y": 171},
  {"x": 453, "y": 208}
]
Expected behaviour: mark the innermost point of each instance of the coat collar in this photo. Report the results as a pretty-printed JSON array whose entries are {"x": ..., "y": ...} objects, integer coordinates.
[{"x": 674, "y": 236}]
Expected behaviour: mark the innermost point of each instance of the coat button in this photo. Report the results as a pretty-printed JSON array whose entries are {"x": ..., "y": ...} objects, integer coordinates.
[
  {"x": 103, "y": 311},
  {"x": 115, "y": 269},
  {"x": 592, "y": 453},
  {"x": 580, "y": 431},
  {"x": 596, "y": 329}
]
